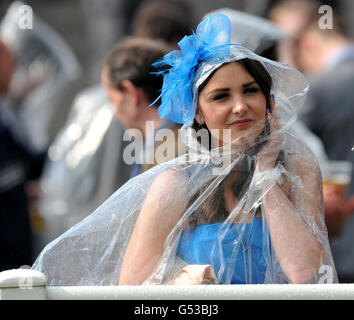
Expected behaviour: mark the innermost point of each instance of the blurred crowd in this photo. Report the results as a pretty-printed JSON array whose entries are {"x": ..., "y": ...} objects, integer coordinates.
[{"x": 65, "y": 105}]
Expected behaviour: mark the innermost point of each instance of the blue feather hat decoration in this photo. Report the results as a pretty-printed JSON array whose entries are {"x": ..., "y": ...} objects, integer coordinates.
[{"x": 211, "y": 41}]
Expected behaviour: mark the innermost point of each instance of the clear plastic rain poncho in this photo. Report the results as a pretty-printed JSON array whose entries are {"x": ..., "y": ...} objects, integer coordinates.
[
  {"x": 45, "y": 75},
  {"x": 176, "y": 224}
]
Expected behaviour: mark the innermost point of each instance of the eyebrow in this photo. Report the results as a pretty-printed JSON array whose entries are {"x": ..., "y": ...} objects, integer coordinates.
[
  {"x": 249, "y": 83},
  {"x": 245, "y": 85}
]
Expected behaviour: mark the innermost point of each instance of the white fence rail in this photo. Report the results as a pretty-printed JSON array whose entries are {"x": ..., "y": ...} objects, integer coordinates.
[{"x": 26, "y": 284}]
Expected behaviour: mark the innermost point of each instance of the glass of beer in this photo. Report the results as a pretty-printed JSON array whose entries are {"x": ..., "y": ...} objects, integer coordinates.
[{"x": 336, "y": 176}]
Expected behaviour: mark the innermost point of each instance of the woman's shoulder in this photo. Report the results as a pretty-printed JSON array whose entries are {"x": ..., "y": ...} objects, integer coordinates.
[{"x": 170, "y": 180}]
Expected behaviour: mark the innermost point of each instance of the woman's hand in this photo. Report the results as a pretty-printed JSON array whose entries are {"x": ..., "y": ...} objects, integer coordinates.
[
  {"x": 268, "y": 156},
  {"x": 194, "y": 274}
]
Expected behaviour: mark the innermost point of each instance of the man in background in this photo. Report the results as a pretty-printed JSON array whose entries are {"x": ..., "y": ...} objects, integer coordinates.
[{"x": 128, "y": 78}]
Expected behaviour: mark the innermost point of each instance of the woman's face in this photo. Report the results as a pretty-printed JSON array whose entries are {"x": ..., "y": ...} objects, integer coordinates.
[{"x": 232, "y": 100}]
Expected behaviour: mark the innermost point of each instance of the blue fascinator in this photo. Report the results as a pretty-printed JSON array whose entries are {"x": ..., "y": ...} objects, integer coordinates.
[{"x": 211, "y": 40}]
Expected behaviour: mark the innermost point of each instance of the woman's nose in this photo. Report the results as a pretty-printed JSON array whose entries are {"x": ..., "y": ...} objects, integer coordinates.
[{"x": 239, "y": 106}]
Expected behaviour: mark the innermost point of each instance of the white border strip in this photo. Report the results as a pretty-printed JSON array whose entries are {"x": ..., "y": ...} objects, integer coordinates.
[
  {"x": 31, "y": 284},
  {"x": 206, "y": 292}
]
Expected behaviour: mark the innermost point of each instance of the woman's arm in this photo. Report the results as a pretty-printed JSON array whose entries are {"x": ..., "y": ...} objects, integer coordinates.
[
  {"x": 162, "y": 209},
  {"x": 295, "y": 224},
  {"x": 293, "y": 211}
]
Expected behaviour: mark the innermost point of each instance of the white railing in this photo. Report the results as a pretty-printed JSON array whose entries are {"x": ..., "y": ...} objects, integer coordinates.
[{"x": 26, "y": 284}]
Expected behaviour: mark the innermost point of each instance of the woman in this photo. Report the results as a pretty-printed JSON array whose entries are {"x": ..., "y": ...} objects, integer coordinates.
[{"x": 244, "y": 205}]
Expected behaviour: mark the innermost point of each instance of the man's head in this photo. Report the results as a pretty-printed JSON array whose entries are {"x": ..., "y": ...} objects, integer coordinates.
[
  {"x": 309, "y": 43},
  {"x": 7, "y": 68},
  {"x": 292, "y": 15},
  {"x": 167, "y": 20},
  {"x": 314, "y": 44},
  {"x": 129, "y": 82}
]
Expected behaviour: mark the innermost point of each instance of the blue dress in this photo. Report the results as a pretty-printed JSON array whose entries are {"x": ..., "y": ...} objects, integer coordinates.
[{"x": 246, "y": 265}]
